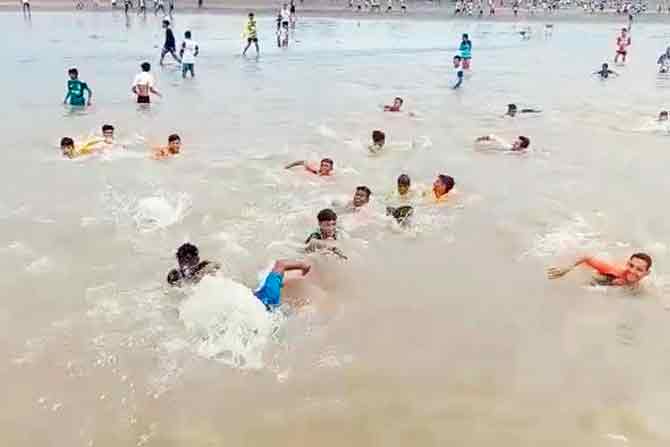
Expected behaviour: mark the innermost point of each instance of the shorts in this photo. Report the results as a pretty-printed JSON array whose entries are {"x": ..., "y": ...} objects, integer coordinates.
[
  {"x": 185, "y": 68},
  {"x": 143, "y": 99},
  {"x": 252, "y": 39},
  {"x": 270, "y": 291},
  {"x": 621, "y": 52},
  {"x": 284, "y": 24}
]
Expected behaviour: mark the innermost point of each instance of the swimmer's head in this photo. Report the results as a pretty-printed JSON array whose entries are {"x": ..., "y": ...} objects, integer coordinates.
[
  {"x": 397, "y": 102},
  {"x": 637, "y": 267},
  {"x": 166, "y": 23},
  {"x": 327, "y": 223},
  {"x": 663, "y": 116},
  {"x": 326, "y": 166},
  {"x": 606, "y": 66},
  {"x": 457, "y": 61},
  {"x": 378, "y": 137},
  {"x": 361, "y": 196},
  {"x": 174, "y": 144},
  {"x": 511, "y": 109},
  {"x": 146, "y": 67},
  {"x": 404, "y": 183},
  {"x": 67, "y": 146},
  {"x": 74, "y": 73},
  {"x": 187, "y": 35},
  {"x": 108, "y": 133},
  {"x": 188, "y": 256},
  {"x": 442, "y": 185},
  {"x": 465, "y": 37},
  {"x": 521, "y": 143}
]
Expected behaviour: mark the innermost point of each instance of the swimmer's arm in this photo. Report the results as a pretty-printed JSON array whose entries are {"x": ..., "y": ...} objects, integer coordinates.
[
  {"x": 316, "y": 245},
  {"x": 284, "y": 265},
  {"x": 530, "y": 111},
  {"x": 154, "y": 91},
  {"x": 600, "y": 266}
]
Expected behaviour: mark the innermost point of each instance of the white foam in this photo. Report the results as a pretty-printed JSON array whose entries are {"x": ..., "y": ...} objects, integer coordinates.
[
  {"x": 158, "y": 212},
  {"x": 230, "y": 323}
]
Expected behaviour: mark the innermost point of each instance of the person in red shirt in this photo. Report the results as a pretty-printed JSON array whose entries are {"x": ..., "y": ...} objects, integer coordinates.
[
  {"x": 622, "y": 44},
  {"x": 637, "y": 267}
]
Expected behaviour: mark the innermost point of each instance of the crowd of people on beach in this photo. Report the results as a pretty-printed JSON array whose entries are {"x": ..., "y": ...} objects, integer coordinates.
[{"x": 400, "y": 206}]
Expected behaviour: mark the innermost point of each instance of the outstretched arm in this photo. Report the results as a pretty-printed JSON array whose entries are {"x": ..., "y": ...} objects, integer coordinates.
[
  {"x": 154, "y": 91},
  {"x": 559, "y": 272},
  {"x": 295, "y": 163},
  {"x": 284, "y": 265}
]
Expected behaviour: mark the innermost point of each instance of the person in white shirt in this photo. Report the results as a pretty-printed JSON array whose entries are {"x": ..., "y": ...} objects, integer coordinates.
[
  {"x": 492, "y": 142},
  {"x": 143, "y": 85},
  {"x": 189, "y": 51}
]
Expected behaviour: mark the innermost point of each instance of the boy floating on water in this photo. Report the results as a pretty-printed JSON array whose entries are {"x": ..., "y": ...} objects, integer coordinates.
[
  {"x": 190, "y": 269},
  {"x": 397, "y": 105},
  {"x": 493, "y": 142},
  {"x": 605, "y": 71},
  {"x": 143, "y": 85},
  {"x": 189, "y": 51},
  {"x": 442, "y": 185},
  {"x": 251, "y": 34},
  {"x": 76, "y": 90},
  {"x": 636, "y": 269},
  {"x": 622, "y": 44},
  {"x": 325, "y": 167},
  {"x": 361, "y": 199},
  {"x": 512, "y": 110},
  {"x": 173, "y": 148}
]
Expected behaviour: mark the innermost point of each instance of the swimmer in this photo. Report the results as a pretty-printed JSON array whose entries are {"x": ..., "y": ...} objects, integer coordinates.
[
  {"x": 269, "y": 291},
  {"x": 493, "y": 142},
  {"x": 143, "y": 84},
  {"x": 637, "y": 267},
  {"x": 663, "y": 116},
  {"x": 459, "y": 72},
  {"x": 190, "y": 269},
  {"x": 403, "y": 193},
  {"x": 173, "y": 148},
  {"x": 76, "y": 90},
  {"x": 397, "y": 105},
  {"x": 251, "y": 34},
  {"x": 605, "y": 71},
  {"x": 322, "y": 239},
  {"x": 325, "y": 167},
  {"x": 108, "y": 134},
  {"x": 170, "y": 45},
  {"x": 69, "y": 150},
  {"x": 512, "y": 110},
  {"x": 664, "y": 62},
  {"x": 441, "y": 187},
  {"x": 622, "y": 43},
  {"x": 361, "y": 199},
  {"x": 378, "y": 141},
  {"x": 465, "y": 49}
]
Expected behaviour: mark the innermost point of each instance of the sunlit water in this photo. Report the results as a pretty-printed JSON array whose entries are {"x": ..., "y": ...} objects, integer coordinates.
[{"x": 446, "y": 333}]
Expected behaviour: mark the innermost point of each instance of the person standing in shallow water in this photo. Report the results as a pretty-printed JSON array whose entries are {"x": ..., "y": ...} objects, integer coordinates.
[
  {"x": 466, "y": 51},
  {"x": 76, "y": 90},
  {"x": 143, "y": 85}
]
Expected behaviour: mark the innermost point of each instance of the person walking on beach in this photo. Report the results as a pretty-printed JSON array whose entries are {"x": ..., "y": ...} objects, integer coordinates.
[
  {"x": 251, "y": 34},
  {"x": 143, "y": 85},
  {"x": 76, "y": 90},
  {"x": 170, "y": 46},
  {"x": 622, "y": 44},
  {"x": 189, "y": 51}
]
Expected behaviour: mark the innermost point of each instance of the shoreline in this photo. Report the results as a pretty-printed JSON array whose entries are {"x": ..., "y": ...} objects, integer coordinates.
[{"x": 437, "y": 13}]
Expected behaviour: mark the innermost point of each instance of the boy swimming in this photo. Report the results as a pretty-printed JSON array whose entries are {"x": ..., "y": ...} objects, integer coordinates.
[
  {"x": 69, "y": 150},
  {"x": 378, "y": 141},
  {"x": 361, "y": 198},
  {"x": 173, "y": 148},
  {"x": 636, "y": 269},
  {"x": 76, "y": 90},
  {"x": 512, "y": 110},
  {"x": 323, "y": 238},
  {"x": 605, "y": 71},
  {"x": 397, "y": 105},
  {"x": 190, "y": 269},
  {"x": 325, "y": 167},
  {"x": 442, "y": 185},
  {"x": 493, "y": 142}
]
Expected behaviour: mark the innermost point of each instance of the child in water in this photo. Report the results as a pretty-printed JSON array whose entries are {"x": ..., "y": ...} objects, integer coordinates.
[
  {"x": 76, "y": 90},
  {"x": 378, "y": 141},
  {"x": 69, "y": 150},
  {"x": 173, "y": 148},
  {"x": 323, "y": 239},
  {"x": 325, "y": 167},
  {"x": 630, "y": 275},
  {"x": 442, "y": 186},
  {"x": 605, "y": 71},
  {"x": 397, "y": 105}
]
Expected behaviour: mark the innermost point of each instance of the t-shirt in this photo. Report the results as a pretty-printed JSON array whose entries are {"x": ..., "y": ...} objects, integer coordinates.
[
  {"x": 143, "y": 81},
  {"x": 189, "y": 46},
  {"x": 250, "y": 30},
  {"x": 76, "y": 90},
  {"x": 169, "y": 39},
  {"x": 466, "y": 50}
]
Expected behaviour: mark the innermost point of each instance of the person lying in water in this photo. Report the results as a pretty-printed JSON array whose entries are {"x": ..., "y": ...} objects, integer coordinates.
[
  {"x": 190, "y": 269},
  {"x": 324, "y": 238},
  {"x": 325, "y": 167},
  {"x": 396, "y": 106},
  {"x": 636, "y": 269},
  {"x": 70, "y": 150},
  {"x": 512, "y": 110},
  {"x": 605, "y": 72},
  {"x": 173, "y": 148},
  {"x": 378, "y": 142},
  {"x": 521, "y": 144}
]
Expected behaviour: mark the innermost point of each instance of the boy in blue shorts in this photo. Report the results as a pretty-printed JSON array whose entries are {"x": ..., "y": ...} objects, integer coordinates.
[{"x": 269, "y": 291}]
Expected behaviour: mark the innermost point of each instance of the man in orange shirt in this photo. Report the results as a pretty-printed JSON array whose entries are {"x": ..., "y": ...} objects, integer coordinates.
[{"x": 637, "y": 267}]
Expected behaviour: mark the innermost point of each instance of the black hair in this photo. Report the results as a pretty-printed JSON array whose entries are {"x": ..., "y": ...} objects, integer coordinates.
[
  {"x": 251, "y": 14},
  {"x": 173, "y": 137},
  {"x": 525, "y": 142},
  {"x": 400, "y": 99},
  {"x": 166, "y": 22},
  {"x": 106, "y": 127},
  {"x": 66, "y": 141},
  {"x": 465, "y": 35},
  {"x": 457, "y": 57},
  {"x": 378, "y": 136},
  {"x": 187, "y": 34},
  {"x": 448, "y": 181},
  {"x": 146, "y": 66},
  {"x": 365, "y": 189},
  {"x": 404, "y": 179},
  {"x": 511, "y": 106},
  {"x": 643, "y": 256},
  {"x": 329, "y": 161},
  {"x": 73, "y": 71},
  {"x": 326, "y": 215},
  {"x": 187, "y": 250}
]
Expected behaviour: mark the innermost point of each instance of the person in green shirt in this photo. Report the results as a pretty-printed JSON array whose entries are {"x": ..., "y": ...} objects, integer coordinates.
[{"x": 76, "y": 90}]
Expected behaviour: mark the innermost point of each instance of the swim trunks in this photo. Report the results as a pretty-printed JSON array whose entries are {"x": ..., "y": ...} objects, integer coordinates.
[
  {"x": 143, "y": 100},
  {"x": 269, "y": 292}
]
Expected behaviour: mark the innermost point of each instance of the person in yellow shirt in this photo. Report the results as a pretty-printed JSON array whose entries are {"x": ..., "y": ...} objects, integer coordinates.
[
  {"x": 69, "y": 150},
  {"x": 442, "y": 185},
  {"x": 251, "y": 34}
]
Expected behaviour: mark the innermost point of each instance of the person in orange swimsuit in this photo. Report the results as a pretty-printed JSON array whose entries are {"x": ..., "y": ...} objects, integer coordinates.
[{"x": 637, "y": 267}]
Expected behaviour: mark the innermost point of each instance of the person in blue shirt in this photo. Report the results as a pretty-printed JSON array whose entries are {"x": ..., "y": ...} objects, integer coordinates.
[
  {"x": 76, "y": 90},
  {"x": 465, "y": 50},
  {"x": 459, "y": 72}
]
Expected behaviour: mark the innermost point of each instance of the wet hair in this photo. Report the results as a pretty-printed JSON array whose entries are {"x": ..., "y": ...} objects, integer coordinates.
[
  {"x": 525, "y": 142},
  {"x": 187, "y": 34},
  {"x": 251, "y": 14},
  {"x": 329, "y": 161},
  {"x": 448, "y": 181},
  {"x": 173, "y": 137},
  {"x": 106, "y": 127},
  {"x": 511, "y": 106},
  {"x": 146, "y": 66},
  {"x": 378, "y": 136},
  {"x": 66, "y": 141},
  {"x": 398, "y": 98},
  {"x": 166, "y": 22},
  {"x": 326, "y": 215},
  {"x": 404, "y": 179},
  {"x": 187, "y": 250},
  {"x": 73, "y": 71},
  {"x": 457, "y": 58},
  {"x": 644, "y": 257},
  {"x": 365, "y": 189}
]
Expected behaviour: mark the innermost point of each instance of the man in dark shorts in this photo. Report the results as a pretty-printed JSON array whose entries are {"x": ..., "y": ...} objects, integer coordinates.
[
  {"x": 143, "y": 85},
  {"x": 170, "y": 45}
]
